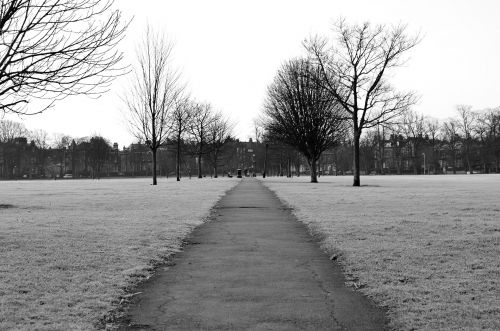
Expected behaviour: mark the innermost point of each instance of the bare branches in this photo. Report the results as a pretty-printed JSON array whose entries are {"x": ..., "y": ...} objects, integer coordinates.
[
  {"x": 219, "y": 130},
  {"x": 182, "y": 115},
  {"x": 10, "y": 130},
  {"x": 302, "y": 113},
  {"x": 154, "y": 93},
  {"x": 353, "y": 70},
  {"x": 50, "y": 49},
  {"x": 202, "y": 117}
]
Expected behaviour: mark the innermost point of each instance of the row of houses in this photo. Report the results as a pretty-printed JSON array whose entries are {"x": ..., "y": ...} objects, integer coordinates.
[
  {"x": 392, "y": 155},
  {"x": 22, "y": 159}
]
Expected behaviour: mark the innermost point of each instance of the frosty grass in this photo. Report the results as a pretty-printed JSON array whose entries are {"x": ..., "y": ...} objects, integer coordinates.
[
  {"x": 70, "y": 248},
  {"x": 425, "y": 247}
]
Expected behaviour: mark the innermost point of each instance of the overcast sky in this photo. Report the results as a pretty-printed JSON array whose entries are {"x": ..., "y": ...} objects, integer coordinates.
[{"x": 229, "y": 51}]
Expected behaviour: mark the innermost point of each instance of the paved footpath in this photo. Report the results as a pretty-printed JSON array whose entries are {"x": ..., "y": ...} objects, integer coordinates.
[{"x": 253, "y": 267}]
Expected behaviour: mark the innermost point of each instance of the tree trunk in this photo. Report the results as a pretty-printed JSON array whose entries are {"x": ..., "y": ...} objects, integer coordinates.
[
  {"x": 215, "y": 164},
  {"x": 265, "y": 162},
  {"x": 178, "y": 161},
  {"x": 288, "y": 167},
  {"x": 357, "y": 179},
  {"x": 154, "y": 166},
  {"x": 314, "y": 176},
  {"x": 416, "y": 161}
]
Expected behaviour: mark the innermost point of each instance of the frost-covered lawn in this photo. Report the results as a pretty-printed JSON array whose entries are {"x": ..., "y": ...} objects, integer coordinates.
[
  {"x": 427, "y": 247},
  {"x": 69, "y": 248}
]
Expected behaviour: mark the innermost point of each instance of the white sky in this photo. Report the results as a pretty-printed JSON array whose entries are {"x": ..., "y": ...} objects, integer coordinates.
[{"x": 229, "y": 52}]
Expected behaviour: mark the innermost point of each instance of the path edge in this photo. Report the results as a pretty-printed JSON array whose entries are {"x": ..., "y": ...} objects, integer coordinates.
[
  {"x": 117, "y": 317},
  {"x": 333, "y": 254}
]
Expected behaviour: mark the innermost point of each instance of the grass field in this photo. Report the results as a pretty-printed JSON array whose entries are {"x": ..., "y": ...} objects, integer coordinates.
[
  {"x": 426, "y": 247},
  {"x": 70, "y": 249}
]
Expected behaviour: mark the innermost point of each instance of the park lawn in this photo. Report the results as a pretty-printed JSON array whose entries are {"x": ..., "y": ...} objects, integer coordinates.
[
  {"x": 71, "y": 250},
  {"x": 425, "y": 247}
]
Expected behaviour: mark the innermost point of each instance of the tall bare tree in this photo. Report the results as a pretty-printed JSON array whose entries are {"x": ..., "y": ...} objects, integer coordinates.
[
  {"x": 219, "y": 132},
  {"x": 50, "y": 49},
  {"x": 302, "y": 113},
  {"x": 181, "y": 120},
  {"x": 61, "y": 142},
  {"x": 452, "y": 140},
  {"x": 467, "y": 121},
  {"x": 153, "y": 92},
  {"x": 488, "y": 130},
  {"x": 432, "y": 127},
  {"x": 354, "y": 70},
  {"x": 202, "y": 117},
  {"x": 413, "y": 127}
]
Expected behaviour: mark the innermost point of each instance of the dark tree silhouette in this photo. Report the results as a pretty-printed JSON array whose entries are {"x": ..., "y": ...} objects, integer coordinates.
[
  {"x": 99, "y": 151},
  {"x": 452, "y": 140},
  {"x": 219, "y": 132},
  {"x": 153, "y": 93},
  {"x": 354, "y": 71},
  {"x": 412, "y": 125},
  {"x": 202, "y": 117},
  {"x": 467, "y": 122},
  {"x": 302, "y": 113},
  {"x": 181, "y": 118},
  {"x": 50, "y": 49},
  {"x": 487, "y": 130}
]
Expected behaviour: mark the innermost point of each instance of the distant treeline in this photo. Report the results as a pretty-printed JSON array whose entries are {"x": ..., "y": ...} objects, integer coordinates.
[{"x": 415, "y": 144}]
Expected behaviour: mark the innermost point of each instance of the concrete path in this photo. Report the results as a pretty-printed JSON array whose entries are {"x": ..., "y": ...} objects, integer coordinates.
[{"x": 253, "y": 267}]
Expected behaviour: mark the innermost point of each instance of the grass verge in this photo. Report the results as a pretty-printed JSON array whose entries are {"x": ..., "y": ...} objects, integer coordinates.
[
  {"x": 426, "y": 247},
  {"x": 70, "y": 250}
]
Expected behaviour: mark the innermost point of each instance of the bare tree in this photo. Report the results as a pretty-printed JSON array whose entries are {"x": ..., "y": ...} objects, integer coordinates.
[
  {"x": 354, "y": 72},
  {"x": 302, "y": 113},
  {"x": 432, "y": 127},
  {"x": 218, "y": 133},
  {"x": 487, "y": 128},
  {"x": 9, "y": 130},
  {"x": 467, "y": 122},
  {"x": 258, "y": 130},
  {"x": 202, "y": 117},
  {"x": 413, "y": 127},
  {"x": 181, "y": 119},
  {"x": 153, "y": 92},
  {"x": 61, "y": 142},
  {"x": 40, "y": 138},
  {"x": 50, "y": 49},
  {"x": 452, "y": 140}
]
